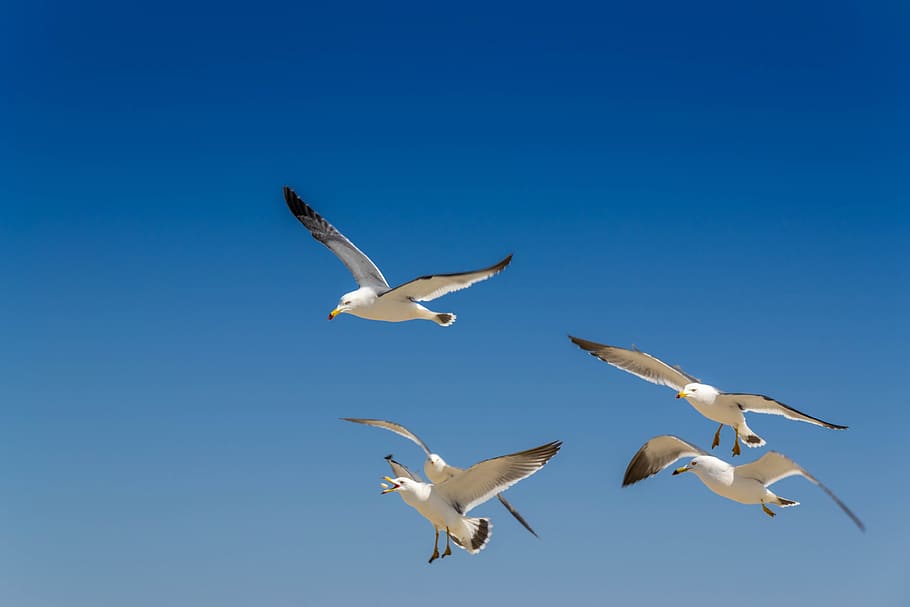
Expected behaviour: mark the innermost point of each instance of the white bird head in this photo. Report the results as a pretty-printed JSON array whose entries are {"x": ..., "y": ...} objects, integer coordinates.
[
  {"x": 363, "y": 296},
  {"x": 434, "y": 463},
  {"x": 700, "y": 393},
  {"x": 400, "y": 485},
  {"x": 704, "y": 464}
]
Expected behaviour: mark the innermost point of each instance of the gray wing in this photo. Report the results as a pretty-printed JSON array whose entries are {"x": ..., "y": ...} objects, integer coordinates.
[
  {"x": 657, "y": 454},
  {"x": 392, "y": 427},
  {"x": 515, "y": 513},
  {"x": 427, "y": 288},
  {"x": 402, "y": 471},
  {"x": 759, "y": 403},
  {"x": 638, "y": 363},
  {"x": 486, "y": 479},
  {"x": 364, "y": 270},
  {"x": 774, "y": 466}
]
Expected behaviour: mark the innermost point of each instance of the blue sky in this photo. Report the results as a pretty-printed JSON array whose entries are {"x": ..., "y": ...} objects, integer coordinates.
[{"x": 722, "y": 186}]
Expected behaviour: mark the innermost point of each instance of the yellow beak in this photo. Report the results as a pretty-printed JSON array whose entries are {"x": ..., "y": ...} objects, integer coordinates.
[
  {"x": 680, "y": 394},
  {"x": 395, "y": 486},
  {"x": 334, "y": 313},
  {"x": 680, "y": 470}
]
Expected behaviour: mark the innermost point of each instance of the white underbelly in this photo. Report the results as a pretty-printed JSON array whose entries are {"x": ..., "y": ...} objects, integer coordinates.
[
  {"x": 389, "y": 310},
  {"x": 742, "y": 490},
  {"x": 720, "y": 413}
]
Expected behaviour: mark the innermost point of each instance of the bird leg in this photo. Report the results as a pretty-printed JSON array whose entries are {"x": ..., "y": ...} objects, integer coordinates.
[
  {"x": 717, "y": 436},
  {"x": 768, "y": 511},
  {"x": 736, "y": 449},
  {"x": 448, "y": 550},
  {"x": 435, "y": 548}
]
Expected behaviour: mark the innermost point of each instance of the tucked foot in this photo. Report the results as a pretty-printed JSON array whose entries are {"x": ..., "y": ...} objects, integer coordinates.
[
  {"x": 768, "y": 511},
  {"x": 436, "y": 553},
  {"x": 717, "y": 436},
  {"x": 736, "y": 449}
]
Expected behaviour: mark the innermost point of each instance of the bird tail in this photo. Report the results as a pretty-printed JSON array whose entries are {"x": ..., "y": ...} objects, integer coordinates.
[
  {"x": 785, "y": 503},
  {"x": 749, "y": 438},
  {"x": 474, "y": 534},
  {"x": 444, "y": 319}
]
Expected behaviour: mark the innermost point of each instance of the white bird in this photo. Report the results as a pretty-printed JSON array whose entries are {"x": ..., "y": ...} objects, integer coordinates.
[
  {"x": 375, "y": 299},
  {"x": 724, "y": 407},
  {"x": 436, "y": 468},
  {"x": 746, "y": 484},
  {"x": 446, "y": 504}
]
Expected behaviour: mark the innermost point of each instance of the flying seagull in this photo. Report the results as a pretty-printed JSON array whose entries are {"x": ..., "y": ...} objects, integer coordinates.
[
  {"x": 375, "y": 299},
  {"x": 436, "y": 468},
  {"x": 446, "y": 504},
  {"x": 746, "y": 484},
  {"x": 724, "y": 407}
]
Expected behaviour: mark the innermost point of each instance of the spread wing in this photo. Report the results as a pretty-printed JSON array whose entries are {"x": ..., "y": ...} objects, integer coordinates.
[
  {"x": 486, "y": 479},
  {"x": 364, "y": 270},
  {"x": 402, "y": 471},
  {"x": 657, "y": 454},
  {"x": 515, "y": 513},
  {"x": 427, "y": 288},
  {"x": 774, "y": 466},
  {"x": 392, "y": 427},
  {"x": 759, "y": 403},
  {"x": 638, "y": 363}
]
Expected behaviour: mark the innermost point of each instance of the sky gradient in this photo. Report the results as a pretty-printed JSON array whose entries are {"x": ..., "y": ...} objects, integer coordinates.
[{"x": 722, "y": 186}]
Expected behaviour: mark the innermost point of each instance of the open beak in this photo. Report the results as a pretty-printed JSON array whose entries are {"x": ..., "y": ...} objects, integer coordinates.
[
  {"x": 334, "y": 313},
  {"x": 680, "y": 394},
  {"x": 395, "y": 486},
  {"x": 680, "y": 470}
]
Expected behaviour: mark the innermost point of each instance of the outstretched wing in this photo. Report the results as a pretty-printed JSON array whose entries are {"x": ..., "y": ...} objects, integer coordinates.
[
  {"x": 392, "y": 427},
  {"x": 657, "y": 454},
  {"x": 364, "y": 270},
  {"x": 774, "y": 466},
  {"x": 427, "y": 288},
  {"x": 638, "y": 363},
  {"x": 484, "y": 480},
  {"x": 759, "y": 403},
  {"x": 402, "y": 471},
  {"x": 515, "y": 513}
]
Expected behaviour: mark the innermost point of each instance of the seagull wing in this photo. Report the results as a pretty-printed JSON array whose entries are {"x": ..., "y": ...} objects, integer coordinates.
[
  {"x": 427, "y": 288},
  {"x": 638, "y": 363},
  {"x": 392, "y": 427},
  {"x": 759, "y": 403},
  {"x": 402, "y": 471},
  {"x": 657, "y": 454},
  {"x": 364, "y": 270},
  {"x": 774, "y": 466},
  {"x": 486, "y": 479}
]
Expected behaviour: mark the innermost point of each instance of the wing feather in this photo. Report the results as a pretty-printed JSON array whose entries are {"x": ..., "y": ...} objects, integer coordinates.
[
  {"x": 402, "y": 471},
  {"x": 759, "y": 403},
  {"x": 658, "y": 453},
  {"x": 486, "y": 479},
  {"x": 392, "y": 427},
  {"x": 362, "y": 267},
  {"x": 774, "y": 466},
  {"x": 638, "y": 363},
  {"x": 428, "y": 288}
]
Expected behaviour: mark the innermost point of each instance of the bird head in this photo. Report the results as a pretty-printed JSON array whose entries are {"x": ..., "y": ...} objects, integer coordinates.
[
  {"x": 435, "y": 463},
  {"x": 352, "y": 300},
  {"x": 690, "y": 466},
  {"x": 397, "y": 484},
  {"x": 700, "y": 393}
]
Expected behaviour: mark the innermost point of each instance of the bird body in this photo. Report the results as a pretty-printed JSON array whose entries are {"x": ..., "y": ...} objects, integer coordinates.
[
  {"x": 375, "y": 299},
  {"x": 746, "y": 484},
  {"x": 447, "y": 503}
]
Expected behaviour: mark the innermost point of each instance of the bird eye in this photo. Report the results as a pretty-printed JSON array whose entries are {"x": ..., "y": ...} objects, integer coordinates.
[{"x": 694, "y": 464}]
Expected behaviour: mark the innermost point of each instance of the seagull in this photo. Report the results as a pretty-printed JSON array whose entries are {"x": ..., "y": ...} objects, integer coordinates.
[
  {"x": 724, "y": 407},
  {"x": 445, "y": 504},
  {"x": 746, "y": 484},
  {"x": 436, "y": 468},
  {"x": 375, "y": 299}
]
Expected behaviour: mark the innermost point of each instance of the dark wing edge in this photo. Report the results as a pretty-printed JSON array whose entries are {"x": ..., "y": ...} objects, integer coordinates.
[{"x": 797, "y": 412}]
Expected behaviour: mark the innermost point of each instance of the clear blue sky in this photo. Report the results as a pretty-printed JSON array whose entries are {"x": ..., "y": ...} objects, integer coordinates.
[{"x": 723, "y": 186}]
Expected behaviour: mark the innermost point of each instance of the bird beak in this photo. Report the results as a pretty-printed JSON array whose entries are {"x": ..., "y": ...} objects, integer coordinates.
[
  {"x": 680, "y": 470},
  {"x": 680, "y": 394},
  {"x": 335, "y": 313},
  {"x": 395, "y": 486}
]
